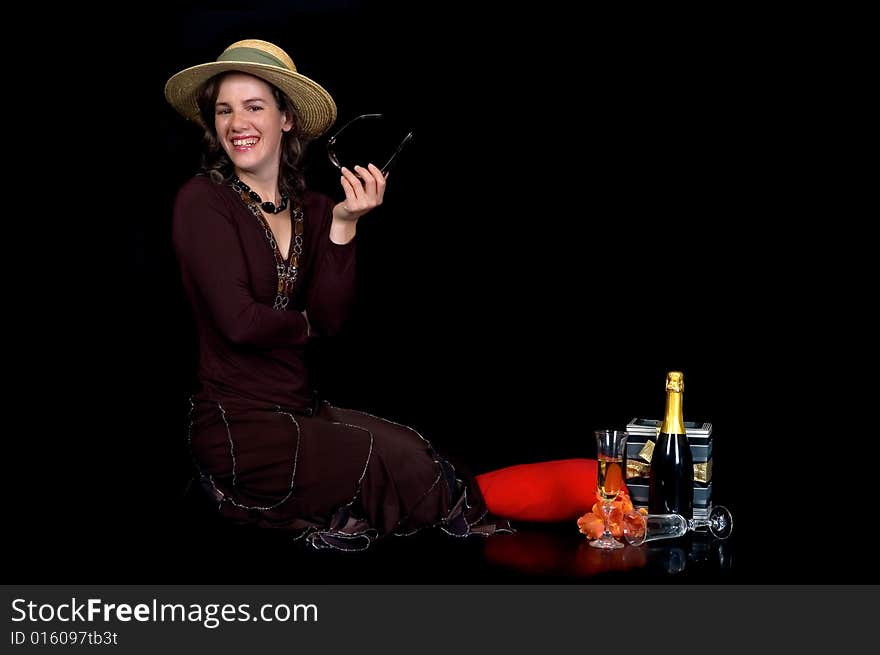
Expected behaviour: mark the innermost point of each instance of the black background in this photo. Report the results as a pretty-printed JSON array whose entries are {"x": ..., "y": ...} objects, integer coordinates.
[{"x": 590, "y": 201}]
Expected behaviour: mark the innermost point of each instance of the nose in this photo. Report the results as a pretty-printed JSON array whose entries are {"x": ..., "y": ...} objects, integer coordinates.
[{"x": 239, "y": 121}]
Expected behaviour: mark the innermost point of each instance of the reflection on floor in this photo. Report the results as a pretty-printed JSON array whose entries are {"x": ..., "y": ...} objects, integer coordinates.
[{"x": 550, "y": 553}]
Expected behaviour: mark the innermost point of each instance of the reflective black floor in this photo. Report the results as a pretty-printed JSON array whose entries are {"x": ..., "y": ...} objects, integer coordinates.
[
  {"x": 553, "y": 553},
  {"x": 182, "y": 547},
  {"x": 207, "y": 552}
]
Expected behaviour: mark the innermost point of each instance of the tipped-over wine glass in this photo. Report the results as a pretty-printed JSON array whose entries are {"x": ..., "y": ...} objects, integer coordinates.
[
  {"x": 639, "y": 528},
  {"x": 611, "y": 447}
]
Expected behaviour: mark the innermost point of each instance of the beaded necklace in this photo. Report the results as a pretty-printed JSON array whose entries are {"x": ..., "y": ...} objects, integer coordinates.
[
  {"x": 287, "y": 271},
  {"x": 255, "y": 197}
]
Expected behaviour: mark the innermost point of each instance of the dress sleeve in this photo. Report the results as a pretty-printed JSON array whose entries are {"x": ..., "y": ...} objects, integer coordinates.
[
  {"x": 209, "y": 249},
  {"x": 331, "y": 293}
]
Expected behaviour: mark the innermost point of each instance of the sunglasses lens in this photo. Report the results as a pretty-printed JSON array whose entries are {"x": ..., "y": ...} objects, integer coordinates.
[{"x": 366, "y": 141}]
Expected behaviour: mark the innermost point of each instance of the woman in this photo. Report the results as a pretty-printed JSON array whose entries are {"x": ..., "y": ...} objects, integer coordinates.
[{"x": 268, "y": 265}]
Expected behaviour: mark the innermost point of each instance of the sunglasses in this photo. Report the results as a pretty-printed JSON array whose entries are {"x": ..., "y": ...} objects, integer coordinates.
[{"x": 331, "y": 144}]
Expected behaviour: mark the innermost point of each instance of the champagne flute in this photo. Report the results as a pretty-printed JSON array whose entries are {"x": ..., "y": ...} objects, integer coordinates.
[
  {"x": 639, "y": 528},
  {"x": 611, "y": 447}
]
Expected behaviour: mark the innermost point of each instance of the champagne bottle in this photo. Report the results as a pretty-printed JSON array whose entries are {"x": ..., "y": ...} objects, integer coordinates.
[{"x": 671, "y": 476}]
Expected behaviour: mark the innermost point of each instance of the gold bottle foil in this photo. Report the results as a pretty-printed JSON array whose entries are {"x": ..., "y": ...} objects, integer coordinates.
[{"x": 673, "y": 419}]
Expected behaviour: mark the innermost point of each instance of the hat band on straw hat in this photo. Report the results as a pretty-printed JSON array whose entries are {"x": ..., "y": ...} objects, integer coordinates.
[{"x": 252, "y": 56}]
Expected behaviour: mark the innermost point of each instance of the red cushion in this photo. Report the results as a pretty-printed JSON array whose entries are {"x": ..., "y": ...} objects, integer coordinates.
[{"x": 558, "y": 490}]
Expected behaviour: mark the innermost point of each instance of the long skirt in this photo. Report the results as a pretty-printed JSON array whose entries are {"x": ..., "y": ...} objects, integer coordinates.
[{"x": 339, "y": 478}]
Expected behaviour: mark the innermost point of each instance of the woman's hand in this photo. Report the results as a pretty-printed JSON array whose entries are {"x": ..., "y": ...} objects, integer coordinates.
[{"x": 361, "y": 195}]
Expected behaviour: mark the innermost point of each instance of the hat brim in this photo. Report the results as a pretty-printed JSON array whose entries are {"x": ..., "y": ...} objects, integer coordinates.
[{"x": 316, "y": 107}]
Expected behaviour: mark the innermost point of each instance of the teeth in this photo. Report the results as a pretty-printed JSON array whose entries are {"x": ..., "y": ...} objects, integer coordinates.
[{"x": 244, "y": 142}]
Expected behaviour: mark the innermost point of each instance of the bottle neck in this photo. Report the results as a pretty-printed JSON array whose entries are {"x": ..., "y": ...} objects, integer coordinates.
[{"x": 673, "y": 421}]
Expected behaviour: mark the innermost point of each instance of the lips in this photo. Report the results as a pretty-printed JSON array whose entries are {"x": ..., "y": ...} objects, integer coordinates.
[{"x": 244, "y": 143}]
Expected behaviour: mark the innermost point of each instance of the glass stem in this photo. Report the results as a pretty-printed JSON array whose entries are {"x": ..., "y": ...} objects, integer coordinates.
[
  {"x": 606, "y": 517},
  {"x": 696, "y": 524}
]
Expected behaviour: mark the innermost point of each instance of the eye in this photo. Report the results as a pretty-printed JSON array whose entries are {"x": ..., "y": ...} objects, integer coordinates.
[
  {"x": 222, "y": 110},
  {"x": 255, "y": 108}
]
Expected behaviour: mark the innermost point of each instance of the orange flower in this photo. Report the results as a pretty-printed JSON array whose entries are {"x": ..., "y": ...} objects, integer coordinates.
[{"x": 592, "y": 523}]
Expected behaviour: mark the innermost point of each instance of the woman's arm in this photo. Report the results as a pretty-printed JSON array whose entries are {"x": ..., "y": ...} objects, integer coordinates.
[
  {"x": 331, "y": 293},
  {"x": 209, "y": 249}
]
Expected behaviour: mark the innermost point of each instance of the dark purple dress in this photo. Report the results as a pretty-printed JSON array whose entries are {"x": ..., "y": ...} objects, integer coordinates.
[{"x": 269, "y": 453}]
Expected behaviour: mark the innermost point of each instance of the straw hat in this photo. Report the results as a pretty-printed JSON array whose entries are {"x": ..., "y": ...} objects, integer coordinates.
[{"x": 266, "y": 61}]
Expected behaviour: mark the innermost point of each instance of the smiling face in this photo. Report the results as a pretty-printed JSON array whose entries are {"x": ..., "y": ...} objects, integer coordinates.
[{"x": 249, "y": 124}]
